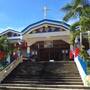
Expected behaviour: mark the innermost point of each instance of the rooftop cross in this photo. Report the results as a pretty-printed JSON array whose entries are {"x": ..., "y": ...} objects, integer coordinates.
[{"x": 45, "y": 9}]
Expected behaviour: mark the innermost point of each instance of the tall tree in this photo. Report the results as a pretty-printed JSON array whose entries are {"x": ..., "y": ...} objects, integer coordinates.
[
  {"x": 75, "y": 9},
  {"x": 78, "y": 9}
]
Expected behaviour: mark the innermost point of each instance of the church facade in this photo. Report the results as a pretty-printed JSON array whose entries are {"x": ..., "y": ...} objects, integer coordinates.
[
  {"x": 47, "y": 40},
  {"x": 44, "y": 40}
]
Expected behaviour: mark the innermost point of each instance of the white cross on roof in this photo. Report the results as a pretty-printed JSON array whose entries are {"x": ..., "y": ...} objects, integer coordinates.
[{"x": 45, "y": 9}]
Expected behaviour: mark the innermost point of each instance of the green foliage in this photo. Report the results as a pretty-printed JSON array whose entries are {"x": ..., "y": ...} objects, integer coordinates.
[
  {"x": 5, "y": 45},
  {"x": 73, "y": 27},
  {"x": 73, "y": 36},
  {"x": 86, "y": 12},
  {"x": 76, "y": 8},
  {"x": 74, "y": 32},
  {"x": 85, "y": 23},
  {"x": 84, "y": 54}
]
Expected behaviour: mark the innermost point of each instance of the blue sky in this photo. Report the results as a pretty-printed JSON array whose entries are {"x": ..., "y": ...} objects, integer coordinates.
[{"x": 17, "y": 14}]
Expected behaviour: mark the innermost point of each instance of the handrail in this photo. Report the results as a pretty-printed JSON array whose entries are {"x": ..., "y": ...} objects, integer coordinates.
[
  {"x": 81, "y": 68},
  {"x": 9, "y": 68}
]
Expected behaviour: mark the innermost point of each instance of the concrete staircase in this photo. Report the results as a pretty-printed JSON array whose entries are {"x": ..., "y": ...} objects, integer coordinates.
[{"x": 28, "y": 75}]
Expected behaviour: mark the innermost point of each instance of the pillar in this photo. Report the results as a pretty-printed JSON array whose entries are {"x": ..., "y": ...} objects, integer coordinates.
[
  {"x": 71, "y": 47},
  {"x": 28, "y": 51}
]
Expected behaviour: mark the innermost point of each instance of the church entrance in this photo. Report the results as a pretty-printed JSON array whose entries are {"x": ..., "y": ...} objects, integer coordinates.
[
  {"x": 47, "y": 54},
  {"x": 50, "y": 50}
]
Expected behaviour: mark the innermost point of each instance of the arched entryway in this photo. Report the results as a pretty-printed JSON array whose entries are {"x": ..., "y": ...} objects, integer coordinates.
[{"x": 50, "y": 50}]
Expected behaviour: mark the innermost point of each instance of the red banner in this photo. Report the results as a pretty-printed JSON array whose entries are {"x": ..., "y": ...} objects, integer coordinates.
[{"x": 77, "y": 51}]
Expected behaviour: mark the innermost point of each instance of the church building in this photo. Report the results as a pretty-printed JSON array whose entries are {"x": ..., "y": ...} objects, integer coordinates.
[
  {"x": 42, "y": 43},
  {"x": 13, "y": 35},
  {"x": 47, "y": 40}
]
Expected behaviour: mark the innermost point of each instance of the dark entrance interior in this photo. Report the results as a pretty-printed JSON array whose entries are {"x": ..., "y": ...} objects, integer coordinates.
[{"x": 50, "y": 50}]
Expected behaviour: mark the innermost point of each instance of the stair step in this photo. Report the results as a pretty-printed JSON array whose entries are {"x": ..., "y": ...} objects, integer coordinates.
[
  {"x": 42, "y": 87},
  {"x": 44, "y": 76},
  {"x": 38, "y": 78},
  {"x": 63, "y": 79},
  {"x": 47, "y": 82},
  {"x": 51, "y": 78},
  {"x": 34, "y": 88},
  {"x": 42, "y": 79}
]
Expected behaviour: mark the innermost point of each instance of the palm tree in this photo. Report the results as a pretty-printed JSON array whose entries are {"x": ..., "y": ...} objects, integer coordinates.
[
  {"x": 74, "y": 32},
  {"x": 77, "y": 9}
]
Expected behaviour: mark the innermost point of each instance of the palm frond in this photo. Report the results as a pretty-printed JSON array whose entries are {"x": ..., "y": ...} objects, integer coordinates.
[
  {"x": 72, "y": 11},
  {"x": 67, "y": 8},
  {"x": 85, "y": 23},
  {"x": 86, "y": 12},
  {"x": 76, "y": 3},
  {"x": 68, "y": 16},
  {"x": 74, "y": 26}
]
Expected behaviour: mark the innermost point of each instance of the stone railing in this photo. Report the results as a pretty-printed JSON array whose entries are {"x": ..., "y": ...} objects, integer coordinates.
[{"x": 7, "y": 70}]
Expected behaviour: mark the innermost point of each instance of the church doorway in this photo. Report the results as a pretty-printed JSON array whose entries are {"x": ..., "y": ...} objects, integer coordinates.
[{"x": 50, "y": 50}]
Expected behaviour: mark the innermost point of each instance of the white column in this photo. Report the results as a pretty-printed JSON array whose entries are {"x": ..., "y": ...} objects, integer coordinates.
[
  {"x": 71, "y": 47},
  {"x": 28, "y": 51}
]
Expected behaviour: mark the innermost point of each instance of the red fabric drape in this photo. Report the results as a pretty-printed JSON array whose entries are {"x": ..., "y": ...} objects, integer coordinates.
[{"x": 77, "y": 51}]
